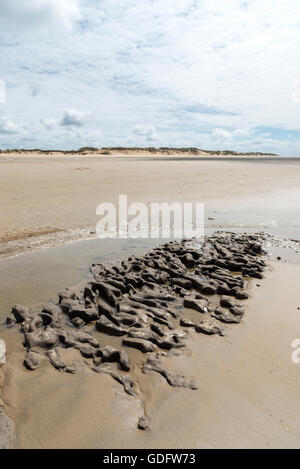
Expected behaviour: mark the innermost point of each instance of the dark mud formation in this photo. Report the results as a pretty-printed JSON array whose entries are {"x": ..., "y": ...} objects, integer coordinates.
[{"x": 145, "y": 301}]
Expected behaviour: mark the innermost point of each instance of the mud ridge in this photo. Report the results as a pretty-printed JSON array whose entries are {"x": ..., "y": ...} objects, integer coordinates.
[{"x": 145, "y": 301}]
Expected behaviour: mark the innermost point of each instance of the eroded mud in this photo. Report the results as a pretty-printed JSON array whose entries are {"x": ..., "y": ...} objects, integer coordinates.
[{"x": 145, "y": 302}]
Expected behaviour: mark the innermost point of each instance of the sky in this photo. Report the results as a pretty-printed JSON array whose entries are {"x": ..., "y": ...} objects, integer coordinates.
[{"x": 181, "y": 73}]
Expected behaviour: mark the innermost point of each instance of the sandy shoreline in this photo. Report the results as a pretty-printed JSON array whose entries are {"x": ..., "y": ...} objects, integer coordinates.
[
  {"x": 244, "y": 380},
  {"x": 248, "y": 385},
  {"x": 149, "y": 228},
  {"x": 44, "y": 201}
]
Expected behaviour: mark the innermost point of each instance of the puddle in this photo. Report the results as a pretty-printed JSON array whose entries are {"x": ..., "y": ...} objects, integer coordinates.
[{"x": 35, "y": 278}]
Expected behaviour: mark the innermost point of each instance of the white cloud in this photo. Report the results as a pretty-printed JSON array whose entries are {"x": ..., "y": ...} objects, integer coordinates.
[
  {"x": 7, "y": 126},
  {"x": 229, "y": 134},
  {"x": 147, "y": 131},
  {"x": 73, "y": 117},
  {"x": 19, "y": 16},
  {"x": 243, "y": 132},
  {"x": 222, "y": 133},
  {"x": 202, "y": 72},
  {"x": 130, "y": 141},
  {"x": 49, "y": 123}
]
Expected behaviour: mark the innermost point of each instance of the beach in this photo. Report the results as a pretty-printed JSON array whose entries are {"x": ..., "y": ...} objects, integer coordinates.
[
  {"x": 45, "y": 199},
  {"x": 247, "y": 392}
]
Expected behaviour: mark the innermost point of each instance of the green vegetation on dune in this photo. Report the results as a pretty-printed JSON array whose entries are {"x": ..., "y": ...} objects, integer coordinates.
[{"x": 160, "y": 150}]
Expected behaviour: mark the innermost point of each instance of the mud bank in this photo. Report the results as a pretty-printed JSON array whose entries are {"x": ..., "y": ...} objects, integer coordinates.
[{"x": 137, "y": 313}]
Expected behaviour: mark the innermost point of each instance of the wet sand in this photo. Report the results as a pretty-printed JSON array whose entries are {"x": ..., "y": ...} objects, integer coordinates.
[
  {"x": 44, "y": 201},
  {"x": 248, "y": 385},
  {"x": 248, "y": 389}
]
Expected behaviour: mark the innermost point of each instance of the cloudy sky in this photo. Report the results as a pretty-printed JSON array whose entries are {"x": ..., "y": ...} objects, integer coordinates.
[{"x": 212, "y": 74}]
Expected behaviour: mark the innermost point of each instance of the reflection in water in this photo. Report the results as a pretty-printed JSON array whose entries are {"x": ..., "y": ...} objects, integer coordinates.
[{"x": 35, "y": 278}]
